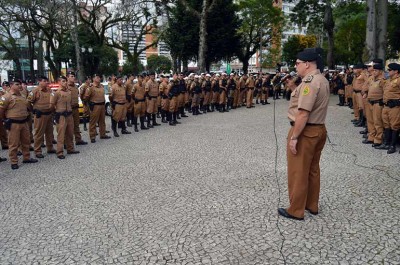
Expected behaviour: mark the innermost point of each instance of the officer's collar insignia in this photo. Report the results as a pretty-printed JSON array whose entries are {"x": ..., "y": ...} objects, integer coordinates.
[
  {"x": 52, "y": 93},
  {"x": 3, "y": 98},
  {"x": 308, "y": 79},
  {"x": 306, "y": 90}
]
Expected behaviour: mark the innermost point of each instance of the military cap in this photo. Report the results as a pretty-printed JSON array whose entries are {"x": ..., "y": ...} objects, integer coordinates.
[
  {"x": 394, "y": 66},
  {"x": 118, "y": 77},
  {"x": 217, "y": 75},
  {"x": 162, "y": 76},
  {"x": 378, "y": 66},
  {"x": 70, "y": 73},
  {"x": 196, "y": 76},
  {"x": 370, "y": 63},
  {"x": 94, "y": 75},
  {"x": 15, "y": 80},
  {"x": 223, "y": 73},
  {"x": 208, "y": 75},
  {"x": 377, "y": 60},
  {"x": 232, "y": 74},
  {"x": 307, "y": 56},
  {"x": 6, "y": 83},
  {"x": 62, "y": 77},
  {"x": 152, "y": 73},
  {"x": 358, "y": 66}
]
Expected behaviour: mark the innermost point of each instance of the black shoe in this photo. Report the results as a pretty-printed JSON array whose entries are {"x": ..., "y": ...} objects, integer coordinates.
[
  {"x": 367, "y": 142},
  {"x": 73, "y": 152},
  {"x": 31, "y": 148},
  {"x": 391, "y": 150},
  {"x": 61, "y": 157},
  {"x": 125, "y": 132},
  {"x": 39, "y": 156},
  {"x": 311, "y": 212},
  {"x": 54, "y": 142},
  {"x": 30, "y": 160},
  {"x": 19, "y": 153},
  {"x": 105, "y": 137},
  {"x": 364, "y": 132},
  {"x": 81, "y": 143},
  {"x": 116, "y": 134},
  {"x": 43, "y": 146},
  {"x": 51, "y": 152},
  {"x": 172, "y": 123},
  {"x": 14, "y": 166},
  {"x": 365, "y": 136},
  {"x": 4, "y": 147},
  {"x": 3, "y": 159},
  {"x": 376, "y": 145},
  {"x": 284, "y": 213},
  {"x": 107, "y": 131},
  {"x": 383, "y": 147},
  {"x": 92, "y": 141}
]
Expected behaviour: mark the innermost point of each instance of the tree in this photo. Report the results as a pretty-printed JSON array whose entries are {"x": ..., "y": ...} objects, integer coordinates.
[
  {"x": 393, "y": 46},
  {"x": 377, "y": 12},
  {"x": 296, "y": 44},
  {"x": 158, "y": 63},
  {"x": 260, "y": 20}
]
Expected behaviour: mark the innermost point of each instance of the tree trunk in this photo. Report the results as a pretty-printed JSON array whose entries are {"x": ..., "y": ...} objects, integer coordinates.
[
  {"x": 245, "y": 65},
  {"x": 40, "y": 62},
  {"x": 185, "y": 67},
  {"x": 74, "y": 36},
  {"x": 203, "y": 37},
  {"x": 370, "y": 45},
  {"x": 329, "y": 25},
  {"x": 31, "y": 54},
  {"x": 174, "y": 63},
  {"x": 381, "y": 28},
  {"x": 18, "y": 66}
]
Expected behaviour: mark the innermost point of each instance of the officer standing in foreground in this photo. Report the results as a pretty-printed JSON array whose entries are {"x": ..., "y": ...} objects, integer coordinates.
[
  {"x": 61, "y": 102},
  {"x": 118, "y": 102},
  {"x": 86, "y": 110},
  {"x": 139, "y": 108},
  {"x": 95, "y": 97},
  {"x": 43, "y": 117},
  {"x": 14, "y": 113},
  {"x": 152, "y": 92},
  {"x": 307, "y": 136},
  {"x": 75, "y": 108},
  {"x": 391, "y": 109}
]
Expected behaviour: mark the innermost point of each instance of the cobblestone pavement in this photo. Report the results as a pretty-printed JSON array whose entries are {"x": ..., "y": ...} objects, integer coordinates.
[{"x": 204, "y": 192}]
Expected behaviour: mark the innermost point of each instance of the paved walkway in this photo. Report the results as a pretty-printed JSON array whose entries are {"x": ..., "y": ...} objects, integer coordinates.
[{"x": 204, "y": 192}]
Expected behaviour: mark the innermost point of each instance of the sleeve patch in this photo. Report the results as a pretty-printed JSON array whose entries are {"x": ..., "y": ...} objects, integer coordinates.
[{"x": 306, "y": 91}]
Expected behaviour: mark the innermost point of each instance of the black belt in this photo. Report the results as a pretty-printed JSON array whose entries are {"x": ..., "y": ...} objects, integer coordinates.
[
  {"x": 75, "y": 107},
  {"x": 18, "y": 121},
  {"x": 153, "y": 97},
  {"x": 372, "y": 102},
  {"x": 164, "y": 97},
  {"x": 96, "y": 103},
  {"x": 251, "y": 88},
  {"x": 64, "y": 113},
  {"x": 42, "y": 112},
  {"x": 357, "y": 91},
  {"x": 118, "y": 103},
  {"x": 140, "y": 100},
  {"x": 307, "y": 124}
]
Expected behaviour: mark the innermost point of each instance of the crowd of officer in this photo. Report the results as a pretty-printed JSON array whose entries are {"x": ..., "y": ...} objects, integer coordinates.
[
  {"x": 31, "y": 117},
  {"x": 375, "y": 100}
]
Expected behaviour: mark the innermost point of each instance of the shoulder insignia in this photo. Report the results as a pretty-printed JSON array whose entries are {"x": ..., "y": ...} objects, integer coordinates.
[
  {"x": 52, "y": 93},
  {"x": 308, "y": 79},
  {"x": 3, "y": 98},
  {"x": 306, "y": 90}
]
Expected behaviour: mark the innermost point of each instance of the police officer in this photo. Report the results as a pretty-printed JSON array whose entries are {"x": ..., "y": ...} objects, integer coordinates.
[
  {"x": 173, "y": 92},
  {"x": 86, "y": 109},
  {"x": 14, "y": 113},
  {"x": 231, "y": 88},
  {"x": 250, "y": 91},
  {"x": 152, "y": 92},
  {"x": 118, "y": 103},
  {"x": 39, "y": 97},
  {"x": 95, "y": 97},
  {"x": 61, "y": 102},
  {"x": 139, "y": 108},
  {"x": 223, "y": 90},
  {"x": 215, "y": 92},
  {"x": 258, "y": 85},
  {"x": 391, "y": 110},
  {"x": 163, "y": 87},
  {"x": 266, "y": 85},
  {"x": 195, "y": 87},
  {"x": 75, "y": 108},
  {"x": 129, "y": 88},
  {"x": 307, "y": 136}
]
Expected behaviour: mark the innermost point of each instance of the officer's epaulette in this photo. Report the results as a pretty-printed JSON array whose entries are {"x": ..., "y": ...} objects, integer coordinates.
[{"x": 308, "y": 78}]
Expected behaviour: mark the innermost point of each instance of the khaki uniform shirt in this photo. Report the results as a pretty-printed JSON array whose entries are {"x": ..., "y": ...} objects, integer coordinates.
[
  {"x": 82, "y": 91},
  {"x": 138, "y": 91},
  {"x": 391, "y": 89},
  {"x": 152, "y": 88},
  {"x": 358, "y": 81},
  {"x": 250, "y": 82},
  {"x": 118, "y": 94},
  {"x": 163, "y": 89},
  {"x": 40, "y": 99},
  {"x": 311, "y": 95},
  {"x": 62, "y": 100},
  {"x": 375, "y": 91},
  {"x": 129, "y": 88},
  {"x": 74, "y": 95},
  {"x": 15, "y": 106},
  {"x": 95, "y": 93}
]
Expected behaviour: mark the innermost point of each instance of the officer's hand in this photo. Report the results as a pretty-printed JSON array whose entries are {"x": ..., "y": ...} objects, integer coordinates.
[{"x": 292, "y": 146}]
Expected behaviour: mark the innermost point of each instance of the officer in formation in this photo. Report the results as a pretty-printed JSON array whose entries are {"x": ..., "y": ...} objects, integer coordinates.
[{"x": 375, "y": 102}]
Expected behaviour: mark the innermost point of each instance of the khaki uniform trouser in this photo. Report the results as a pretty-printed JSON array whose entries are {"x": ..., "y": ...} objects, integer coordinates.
[
  {"x": 241, "y": 97},
  {"x": 207, "y": 98},
  {"x": 129, "y": 106},
  {"x": 391, "y": 118},
  {"x": 86, "y": 110},
  {"x": 18, "y": 135},
  {"x": 119, "y": 112},
  {"x": 3, "y": 135},
  {"x": 181, "y": 100},
  {"x": 30, "y": 126},
  {"x": 97, "y": 115},
  {"x": 195, "y": 100},
  {"x": 264, "y": 93},
  {"x": 303, "y": 170},
  {"x": 76, "y": 120},
  {"x": 355, "y": 106},
  {"x": 139, "y": 109},
  {"x": 187, "y": 97},
  {"x": 65, "y": 132},
  {"x": 360, "y": 101},
  {"x": 215, "y": 97},
  {"x": 370, "y": 121},
  {"x": 173, "y": 104},
  {"x": 165, "y": 104},
  {"x": 222, "y": 98},
  {"x": 235, "y": 98},
  {"x": 378, "y": 123},
  {"x": 151, "y": 105},
  {"x": 43, "y": 127},
  {"x": 249, "y": 97}
]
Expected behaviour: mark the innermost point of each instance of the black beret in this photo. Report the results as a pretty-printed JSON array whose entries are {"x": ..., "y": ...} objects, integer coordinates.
[
  {"x": 16, "y": 80},
  {"x": 62, "y": 77},
  {"x": 358, "y": 66},
  {"x": 307, "y": 56},
  {"x": 378, "y": 66},
  {"x": 42, "y": 77},
  {"x": 6, "y": 83},
  {"x": 394, "y": 66},
  {"x": 162, "y": 76},
  {"x": 94, "y": 75},
  {"x": 377, "y": 60},
  {"x": 70, "y": 73},
  {"x": 152, "y": 73},
  {"x": 118, "y": 77}
]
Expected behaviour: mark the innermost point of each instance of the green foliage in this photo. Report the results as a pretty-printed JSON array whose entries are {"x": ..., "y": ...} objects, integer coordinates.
[
  {"x": 393, "y": 30},
  {"x": 159, "y": 63},
  {"x": 296, "y": 44},
  {"x": 132, "y": 68},
  {"x": 108, "y": 60}
]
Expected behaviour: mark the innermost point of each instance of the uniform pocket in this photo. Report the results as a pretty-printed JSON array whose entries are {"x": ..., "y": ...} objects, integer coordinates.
[{"x": 310, "y": 134}]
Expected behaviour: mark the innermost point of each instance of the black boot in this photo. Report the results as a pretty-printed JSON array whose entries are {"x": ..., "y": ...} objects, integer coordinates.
[
  {"x": 395, "y": 138},
  {"x": 387, "y": 136},
  {"x": 365, "y": 131},
  {"x": 175, "y": 116},
  {"x": 135, "y": 123},
  {"x": 128, "y": 119},
  {"x": 189, "y": 106},
  {"x": 163, "y": 116},
  {"x": 183, "y": 115},
  {"x": 171, "y": 119},
  {"x": 85, "y": 120},
  {"x": 149, "y": 121},
  {"x": 114, "y": 127},
  {"x": 142, "y": 127},
  {"x": 350, "y": 100},
  {"x": 124, "y": 130},
  {"x": 360, "y": 122},
  {"x": 153, "y": 116},
  {"x": 158, "y": 112},
  {"x": 194, "y": 112},
  {"x": 221, "y": 108},
  {"x": 225, "y": 108},
  {"x": 198, "y": 111}
]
